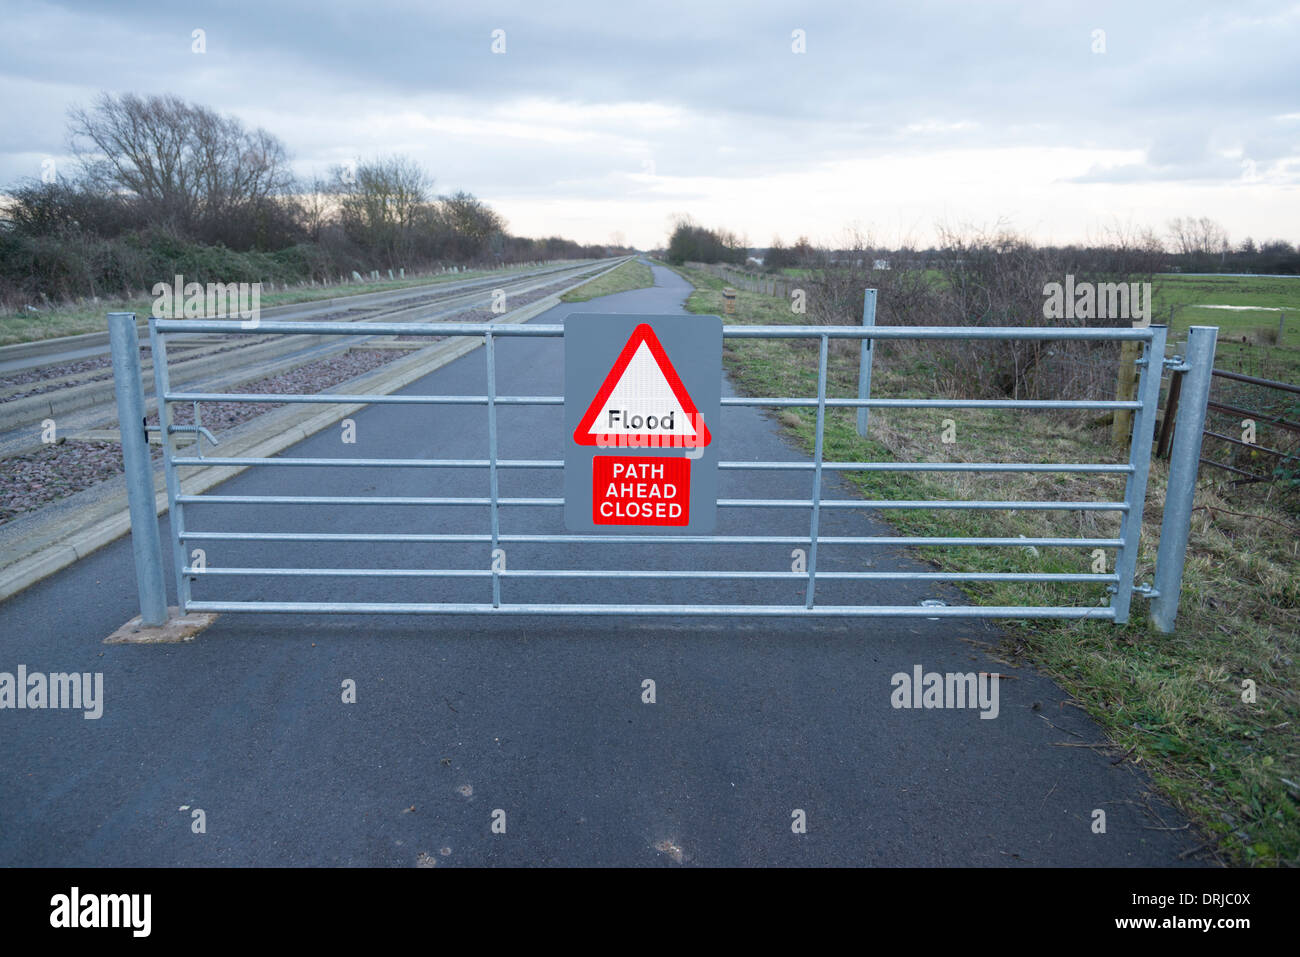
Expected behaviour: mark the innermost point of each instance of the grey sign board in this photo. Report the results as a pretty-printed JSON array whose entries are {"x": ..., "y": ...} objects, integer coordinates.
[{"x": 642, "y": 401}]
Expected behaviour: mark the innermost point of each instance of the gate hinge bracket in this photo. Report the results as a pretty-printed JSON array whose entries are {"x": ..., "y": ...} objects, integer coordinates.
[
  {"x": 1146, "y": 590},
  {"x": 172, "y": 429},
  {"x": 1176, "y": 364}
]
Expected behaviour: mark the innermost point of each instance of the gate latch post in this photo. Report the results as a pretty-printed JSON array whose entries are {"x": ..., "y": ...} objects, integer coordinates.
[
  {"x": 1184, "y": 463},
  {"x": 146, "y": 541}
]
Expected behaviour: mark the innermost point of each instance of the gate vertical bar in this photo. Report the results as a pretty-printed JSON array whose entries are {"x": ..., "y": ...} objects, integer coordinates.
[
  {"x": 817, "y": 471},
  {"x": 1135, "y": 489},
  {"x": 489, "y": 348},
  {"x": 1184, "y": 462},
  {"x": 146, "y": 542},
  {"x": 162, "y": 386},
  {"x": 864, "y": 360}
]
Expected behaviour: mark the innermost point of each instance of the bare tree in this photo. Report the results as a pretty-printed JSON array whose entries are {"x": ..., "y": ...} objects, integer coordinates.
[
  {"x": 381, "y": 202},
  {"x": 1198, "y": 237},
  {"x": 186, "y": 165},
  {"x": 471, "y": 222},
  {"x": 317, "y": 203}
]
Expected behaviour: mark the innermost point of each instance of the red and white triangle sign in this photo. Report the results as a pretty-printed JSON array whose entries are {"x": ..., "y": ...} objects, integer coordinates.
[{"x": 642, "y": 402}]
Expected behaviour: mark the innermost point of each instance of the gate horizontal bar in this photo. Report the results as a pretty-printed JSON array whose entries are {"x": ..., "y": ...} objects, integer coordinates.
[
  {"x": 358, "y": 500},
  {"x": 938, "y": 403},
  {"x": 712, "y": 611},
  {"x": 1117, "y": 468},
  {"x": 479, "y": 330},
  {"x": 772, "y": 466},
  {"x": 558, "y": 502},
  {"x": 646, "y": 573},
  {"x": 844, "y": 503},
  {"x": 373, "y": 463},
  {"x": 360, "y": 399},
  {"x": 471, "y": 537},
  {"x": 340, "y": 398},
  {"x": 1083, "y": 467}
]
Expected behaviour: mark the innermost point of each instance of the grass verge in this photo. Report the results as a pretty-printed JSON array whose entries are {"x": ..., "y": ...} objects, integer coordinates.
[
  {"x": 88, "y": 315},
  {"x": 633, "y": 274},
  {"x": 1177, "y": 705}
]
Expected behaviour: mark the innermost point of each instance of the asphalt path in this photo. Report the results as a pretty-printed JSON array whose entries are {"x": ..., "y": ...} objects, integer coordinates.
[{"x": 542, "y": 718}]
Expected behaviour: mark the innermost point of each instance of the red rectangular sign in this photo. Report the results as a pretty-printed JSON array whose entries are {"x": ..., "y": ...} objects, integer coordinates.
[{"x": 640, "y": 490}]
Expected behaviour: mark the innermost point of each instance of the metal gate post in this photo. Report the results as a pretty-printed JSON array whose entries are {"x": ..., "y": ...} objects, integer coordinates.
[
  {"x": 146, "y": 543},
  {"x": 1184, "y": 461},
  {"x": 864, "y": 361},
  {"x": 1135, "y": 490}
]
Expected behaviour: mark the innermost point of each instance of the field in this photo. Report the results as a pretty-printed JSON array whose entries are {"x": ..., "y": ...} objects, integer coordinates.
[
  {"x": 1172, "y": 704},
  {"x": 1246, "y": 335}
]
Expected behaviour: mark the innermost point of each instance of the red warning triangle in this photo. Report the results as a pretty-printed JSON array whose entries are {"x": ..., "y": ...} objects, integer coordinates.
[{"x": 642, "y": 402}]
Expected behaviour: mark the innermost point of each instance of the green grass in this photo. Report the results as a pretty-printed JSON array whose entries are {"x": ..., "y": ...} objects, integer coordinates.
[
  {"x": 1248, "y": 339},
  {"x": 88, "y": 316},
  {"x": 1277, "y": 292},
  {"x": 633, "y": 274},
  {"x": 1171, "y": 704}
]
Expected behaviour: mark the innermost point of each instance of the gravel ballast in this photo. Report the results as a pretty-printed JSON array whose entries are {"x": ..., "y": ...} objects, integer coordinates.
[
  {"x": 35, "y": 479},
  {"x": 32, "y": 480}
]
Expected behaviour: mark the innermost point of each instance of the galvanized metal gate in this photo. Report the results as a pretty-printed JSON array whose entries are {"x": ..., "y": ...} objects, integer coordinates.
[{"x": 1119, "y": 583}]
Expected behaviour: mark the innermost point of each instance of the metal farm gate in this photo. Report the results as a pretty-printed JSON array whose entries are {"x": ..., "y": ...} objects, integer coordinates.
[{"x": 1119, "y": 583}]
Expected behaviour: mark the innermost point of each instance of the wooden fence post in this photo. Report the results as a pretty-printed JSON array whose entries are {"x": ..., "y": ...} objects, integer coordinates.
[
  {"x": 1125, "y": 391},
  {"x": 1171, "y": 413}
]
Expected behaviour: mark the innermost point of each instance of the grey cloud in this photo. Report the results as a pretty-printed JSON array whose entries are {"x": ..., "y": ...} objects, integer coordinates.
[{"x": 905, "y": 79}]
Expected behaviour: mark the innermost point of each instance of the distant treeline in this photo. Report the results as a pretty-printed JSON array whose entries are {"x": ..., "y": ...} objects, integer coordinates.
[
  {"x": 975, "y": 278},
  {"x": 162, "y": 186},
  {"x": 1190, "y": 245},
  {"x": 690, "y": 242},
  {"x": 1275, "y": 257}
]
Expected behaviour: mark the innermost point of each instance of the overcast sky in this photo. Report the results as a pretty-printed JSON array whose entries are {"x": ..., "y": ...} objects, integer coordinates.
[{"x": 605, "y": 118}]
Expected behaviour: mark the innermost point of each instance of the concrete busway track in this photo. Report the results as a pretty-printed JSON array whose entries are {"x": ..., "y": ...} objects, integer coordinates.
[
  {"x": 42, "y": 542},
  {"x": 85, "y": 406},
  {"x": 542, "y": 717},
  {"x": 43, "y": 352}
]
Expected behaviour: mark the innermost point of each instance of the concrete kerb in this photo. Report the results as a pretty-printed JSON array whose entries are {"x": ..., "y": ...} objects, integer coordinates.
[{"x": 293, "y": 425}]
